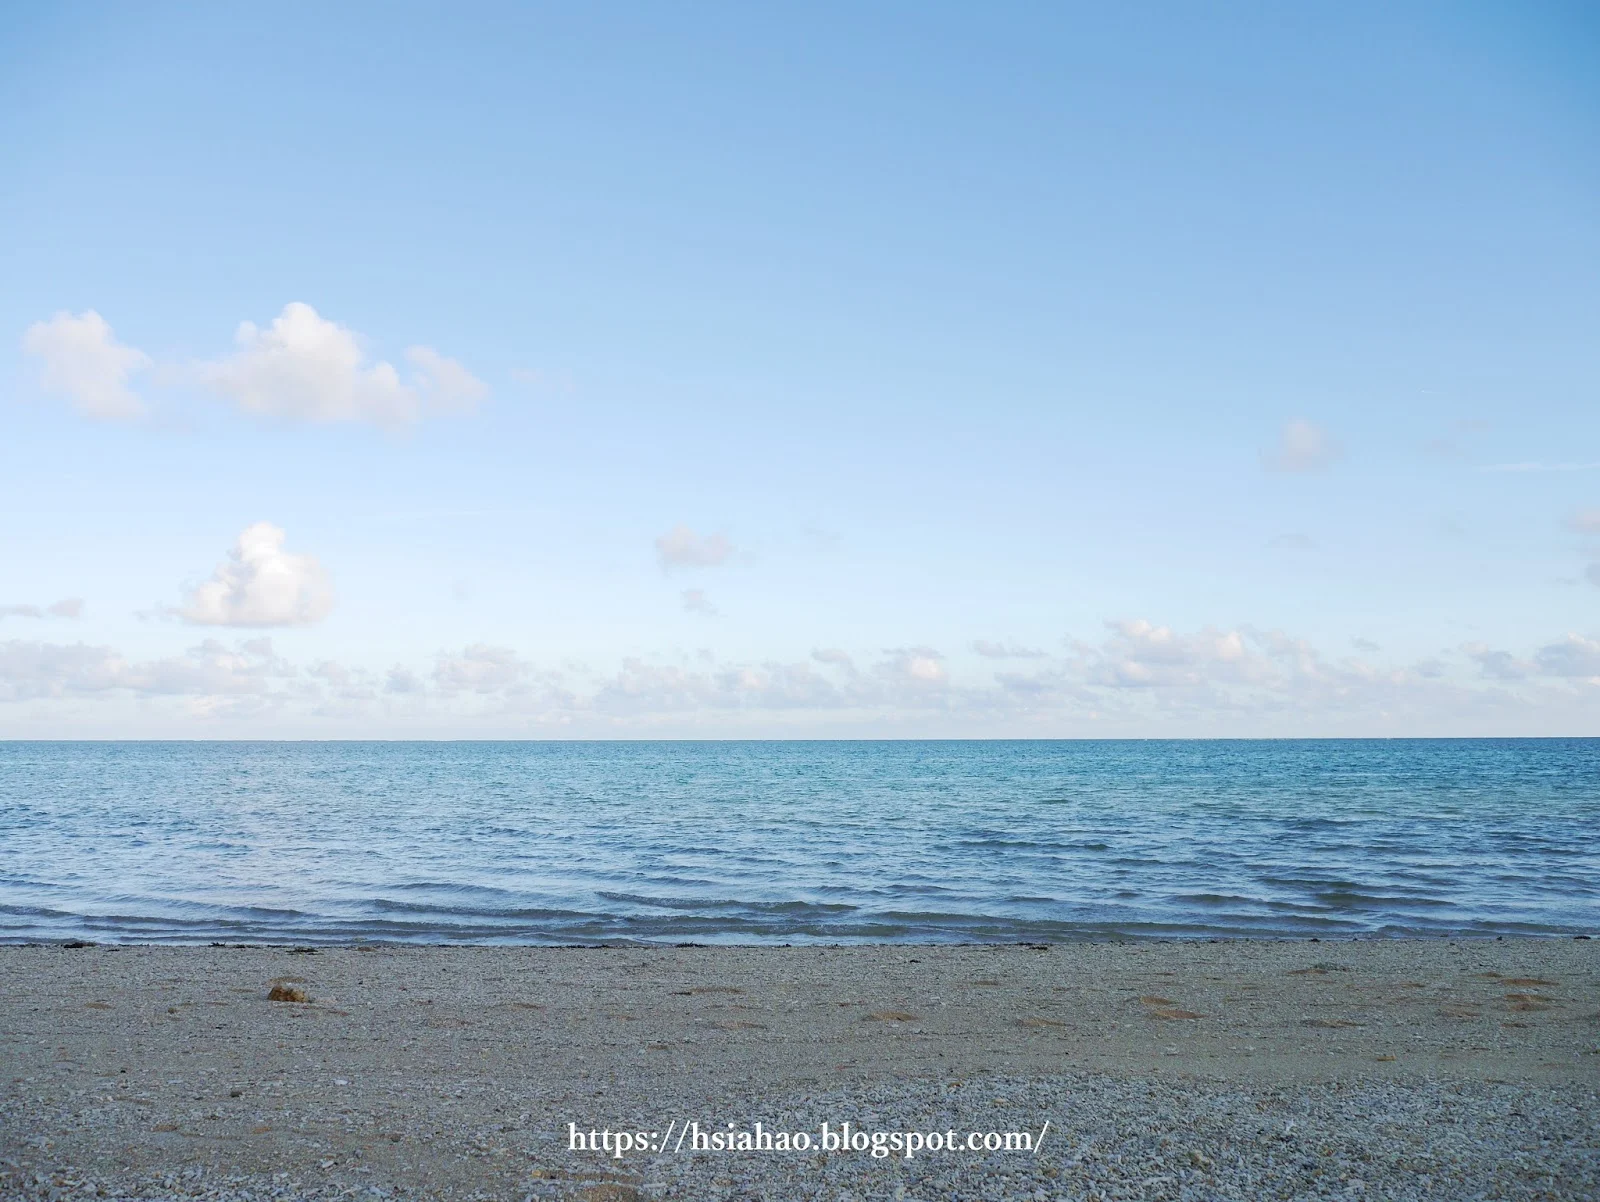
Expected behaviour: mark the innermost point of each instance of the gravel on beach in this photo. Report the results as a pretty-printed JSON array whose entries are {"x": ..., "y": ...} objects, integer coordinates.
[{"x": 1429, "y": 1070}]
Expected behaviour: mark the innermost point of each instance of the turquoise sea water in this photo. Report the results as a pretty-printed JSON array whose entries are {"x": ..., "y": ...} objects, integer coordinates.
[{"x": 796, "y": 842}]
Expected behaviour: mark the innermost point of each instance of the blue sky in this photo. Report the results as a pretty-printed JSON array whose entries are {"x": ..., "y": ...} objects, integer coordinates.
[{"x": 840, "y": 370}]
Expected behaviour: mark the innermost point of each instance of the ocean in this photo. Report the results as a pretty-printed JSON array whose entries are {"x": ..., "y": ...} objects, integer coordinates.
[{"x": 796, "y": 842}]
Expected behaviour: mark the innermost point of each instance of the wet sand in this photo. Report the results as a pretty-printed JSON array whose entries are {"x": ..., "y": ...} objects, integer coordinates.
[{"x": 1416, "y": 1068}]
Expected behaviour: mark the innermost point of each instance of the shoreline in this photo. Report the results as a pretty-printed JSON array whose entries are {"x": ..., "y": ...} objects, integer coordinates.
[
  {"x": 438, "y": 1071},
  {"x": 1095, "y": 940}
]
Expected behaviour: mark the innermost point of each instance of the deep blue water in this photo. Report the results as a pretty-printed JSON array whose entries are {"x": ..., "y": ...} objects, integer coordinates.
[{"x": 796, "y": 842}]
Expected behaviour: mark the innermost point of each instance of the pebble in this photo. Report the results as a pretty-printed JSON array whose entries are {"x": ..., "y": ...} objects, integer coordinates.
[{"x": 1183, "y": 1140}]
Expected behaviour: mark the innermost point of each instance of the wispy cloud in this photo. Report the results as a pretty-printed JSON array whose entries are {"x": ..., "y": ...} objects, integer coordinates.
[
  {"x": 993, "y": 650},
  {"x": 1302, "y": 447},
  {"x": 1585, "y": 521},
  {"x": 695, "y": 601},
  {"x": 1540, "y": 467},
  {"x": 681, "y": 547},
  {"x": 67, "y": 607}
]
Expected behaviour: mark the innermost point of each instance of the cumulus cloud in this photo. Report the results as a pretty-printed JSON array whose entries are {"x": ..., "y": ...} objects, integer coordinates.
[
  {"x": 30, "y": 670},
  {"x": 920, "y": 667},
  {"x": 67, "y": 607},
  {"x": 907, "y": 680},
  {"x": 993, "y": 650},
  {"x": 343, "y": 682},
  {"x": 1573, "y": 656},
  {"x": 1143, "y": 668},
  {"x": 486, "y": 679},
  {"x": 641, "y": 687},
  {"x": 1137, "y": 674},
  {"x": 1498, "y": 665},
  {"x": 1587, "y": 523},
  {"x": 305, "y": 367},
  {"x": 1302, "y": 447},
  {"x": 681, "y": 547},
  {"x": 402, "y": 680},
  {"x": 481, "y": 668},
  {"x": 82, "y": 361},
  {"x": 1140, "y": 654},
  {"x": 695, "y": 601},
  {"x": 261, "y": 584},
  {"x": 333, "y": 673}
]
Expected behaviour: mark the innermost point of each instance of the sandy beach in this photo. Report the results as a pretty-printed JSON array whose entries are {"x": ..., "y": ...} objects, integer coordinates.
[{"x": 1438, "y": 1069}]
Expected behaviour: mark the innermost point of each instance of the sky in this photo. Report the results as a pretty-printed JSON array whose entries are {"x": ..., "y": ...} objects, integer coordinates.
[{"x": 830, "y": 370}]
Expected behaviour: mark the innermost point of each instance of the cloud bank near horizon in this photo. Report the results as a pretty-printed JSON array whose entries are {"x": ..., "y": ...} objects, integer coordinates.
[{"x": 1242, "y": 681}]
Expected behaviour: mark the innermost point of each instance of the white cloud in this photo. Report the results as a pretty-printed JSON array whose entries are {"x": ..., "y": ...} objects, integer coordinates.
[
  {"x": 489, "y": 680},
  {"x": 1137, "y": 678},
  {"x": 30, "y": 670},
  {"x": 83, "y": 361},
  {"x": 340, "y": 676},
  {"x": 1498, "y": 665},
  {"x": 1141, "y": 655},
  {"x": 344, "y": 682},
  {"x": 335, "y": 674},
  {"x": 261, "y": 584},
  {"x": 401, "y": 680},
  {"x": 645, "y": 688},
  {"x": 480, "y": 668},
  {"x": 681, "y": 547},
  {"x": 1587, "y": 522},
  {"x": 444, "y": 382},
  {"x": 67, "y": 607},
  {"x": 1539, "y": 467},
  {"x": 1302, "y": 447},
  {"x": 307, "y": 368},
  {"x": 695, "y": 601},
  {"x": 833, "y": 656},
  {"x": 993, "y": 650},
  {"x": 1573, "y": 656},
  {"x": 919, "y": 667}
]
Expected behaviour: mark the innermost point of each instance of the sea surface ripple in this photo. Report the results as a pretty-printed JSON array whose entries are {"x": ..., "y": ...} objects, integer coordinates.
[{"x": 796, "y": 842}]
